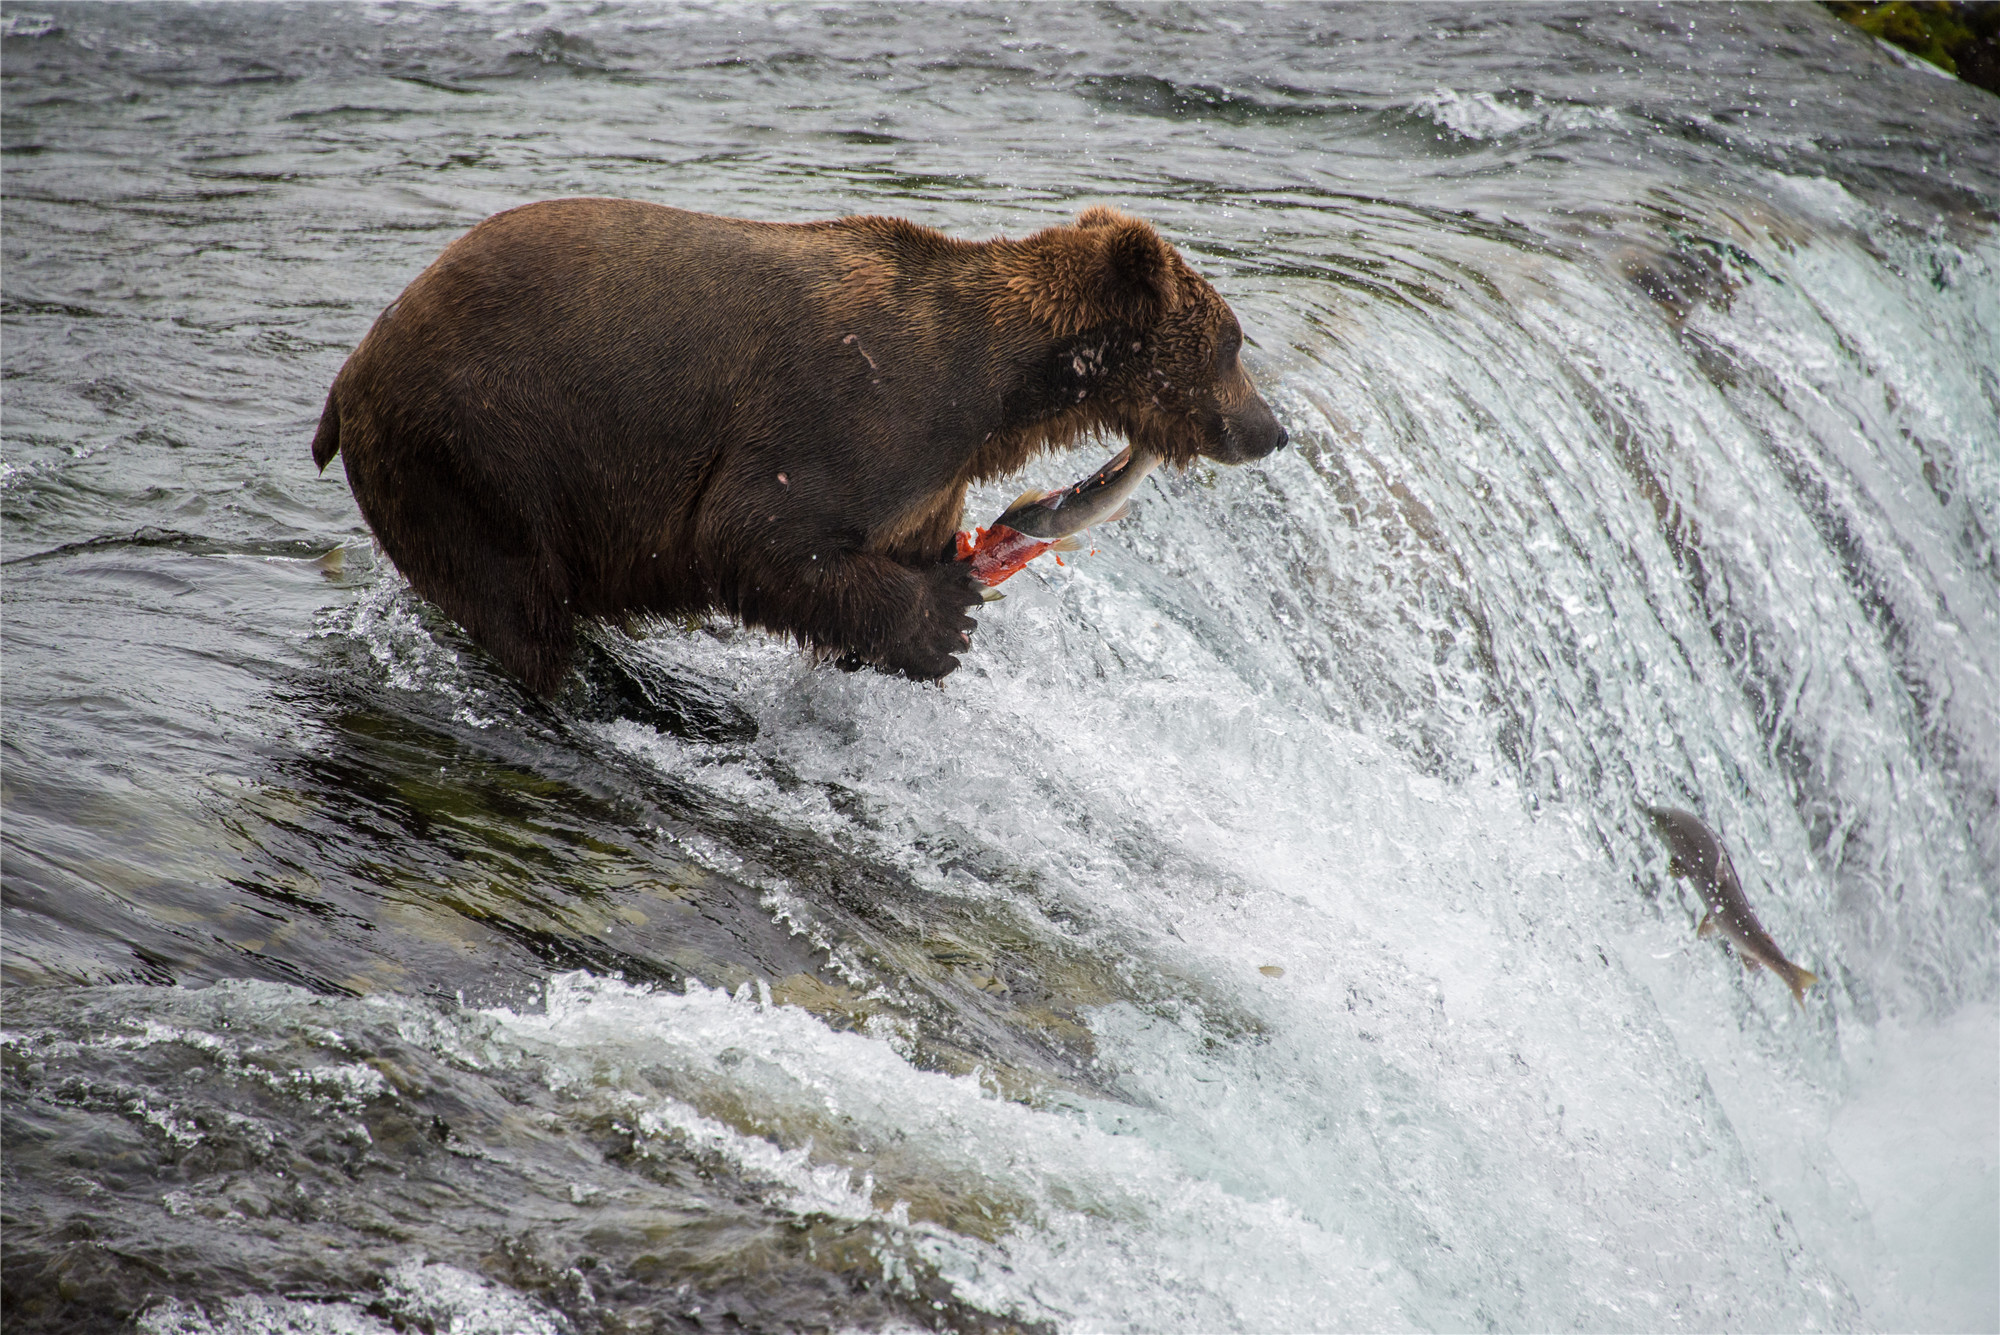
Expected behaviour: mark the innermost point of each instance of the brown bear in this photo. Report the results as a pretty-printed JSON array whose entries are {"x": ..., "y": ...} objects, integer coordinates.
[{"x": 596, "y": 407}]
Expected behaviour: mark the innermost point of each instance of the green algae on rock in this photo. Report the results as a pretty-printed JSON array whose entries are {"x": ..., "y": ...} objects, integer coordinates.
[{"x": 1959, "y": 38}]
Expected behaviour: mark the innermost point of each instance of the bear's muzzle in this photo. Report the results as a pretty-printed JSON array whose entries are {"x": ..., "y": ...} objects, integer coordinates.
[{"x": 1250, "y": 430}]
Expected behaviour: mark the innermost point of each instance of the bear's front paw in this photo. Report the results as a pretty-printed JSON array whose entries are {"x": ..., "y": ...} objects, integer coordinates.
[{"x": 938, "y": 628}]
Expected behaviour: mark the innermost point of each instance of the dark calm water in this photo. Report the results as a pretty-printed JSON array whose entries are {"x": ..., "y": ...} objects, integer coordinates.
[{"x": 1257, "y": 934}]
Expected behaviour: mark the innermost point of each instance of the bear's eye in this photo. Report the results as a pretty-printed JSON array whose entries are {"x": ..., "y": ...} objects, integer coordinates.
[{"x": 1232, "y": 343}]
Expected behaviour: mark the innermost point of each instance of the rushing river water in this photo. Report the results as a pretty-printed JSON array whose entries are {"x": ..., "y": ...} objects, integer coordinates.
[{"x": 1258, "y": 933}]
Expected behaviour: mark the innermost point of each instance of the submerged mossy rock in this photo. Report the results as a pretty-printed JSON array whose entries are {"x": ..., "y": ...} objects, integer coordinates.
[{"x": 1959, "y": 38}]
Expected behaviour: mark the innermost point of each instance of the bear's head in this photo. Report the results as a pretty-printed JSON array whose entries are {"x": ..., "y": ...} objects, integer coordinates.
[{"x": 1145, "y": 346}]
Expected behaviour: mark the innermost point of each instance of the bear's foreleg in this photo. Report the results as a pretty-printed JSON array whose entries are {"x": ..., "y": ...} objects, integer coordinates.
[{"x": 907, "y": 619}]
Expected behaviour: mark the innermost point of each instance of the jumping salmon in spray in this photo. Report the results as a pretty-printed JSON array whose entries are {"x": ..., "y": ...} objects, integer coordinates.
[{"x": 1697, "y": 854}]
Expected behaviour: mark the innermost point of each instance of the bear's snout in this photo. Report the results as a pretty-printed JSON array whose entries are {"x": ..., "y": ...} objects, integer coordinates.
[{"x": 1250, "y": 430}]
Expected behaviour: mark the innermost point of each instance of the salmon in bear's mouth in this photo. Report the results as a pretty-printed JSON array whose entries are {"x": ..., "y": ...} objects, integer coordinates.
[{"x": 1040, "y": 521}]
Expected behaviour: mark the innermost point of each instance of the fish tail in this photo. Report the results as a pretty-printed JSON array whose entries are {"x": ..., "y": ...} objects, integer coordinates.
[{"x": 1799, "y": 980}]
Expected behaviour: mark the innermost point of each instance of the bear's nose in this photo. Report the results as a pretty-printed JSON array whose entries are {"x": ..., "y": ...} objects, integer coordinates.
[{"x": 1284, "y": 439}]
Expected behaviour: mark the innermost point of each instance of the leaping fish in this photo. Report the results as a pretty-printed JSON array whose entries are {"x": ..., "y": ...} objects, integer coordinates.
[
  {"x": 1695, "y": 852},
  {"x": 1040, "y": 521}
]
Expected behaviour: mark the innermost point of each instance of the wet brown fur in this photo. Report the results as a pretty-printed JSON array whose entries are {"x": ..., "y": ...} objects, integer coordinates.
[{"x": 594, "y": 407}]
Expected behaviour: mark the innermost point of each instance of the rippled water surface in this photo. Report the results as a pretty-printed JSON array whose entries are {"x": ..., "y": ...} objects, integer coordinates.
[{"x": 1258, "y": 933}]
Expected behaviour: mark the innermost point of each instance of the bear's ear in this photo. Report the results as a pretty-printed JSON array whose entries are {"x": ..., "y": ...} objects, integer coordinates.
[
  {"x": 1110, "y": 266},
  {"x": 1139, "y": 278}
]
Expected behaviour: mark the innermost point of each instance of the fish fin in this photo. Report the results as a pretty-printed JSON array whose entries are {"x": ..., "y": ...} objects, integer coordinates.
[
  {"x": 1029, "y": 497},
  {"x": 333, "y": 562},
  {"x": 1751, "y": 964},
  {"x": 1124, "y": 508},
  {"x": 1070, "y": 544},
  {"x": 1707, "y": 927},
  {"x": 990, "y": 595},
  {"x": 1675, "y": 867}
]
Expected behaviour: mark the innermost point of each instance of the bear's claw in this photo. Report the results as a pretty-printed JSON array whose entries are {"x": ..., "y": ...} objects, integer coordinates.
[{"x": 939, "y": 628}]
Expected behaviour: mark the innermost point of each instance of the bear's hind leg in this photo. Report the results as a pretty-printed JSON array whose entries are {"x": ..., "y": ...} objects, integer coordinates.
[
  {"x": 521, "y": 615},
  {"x": 503, "y": 588}
]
